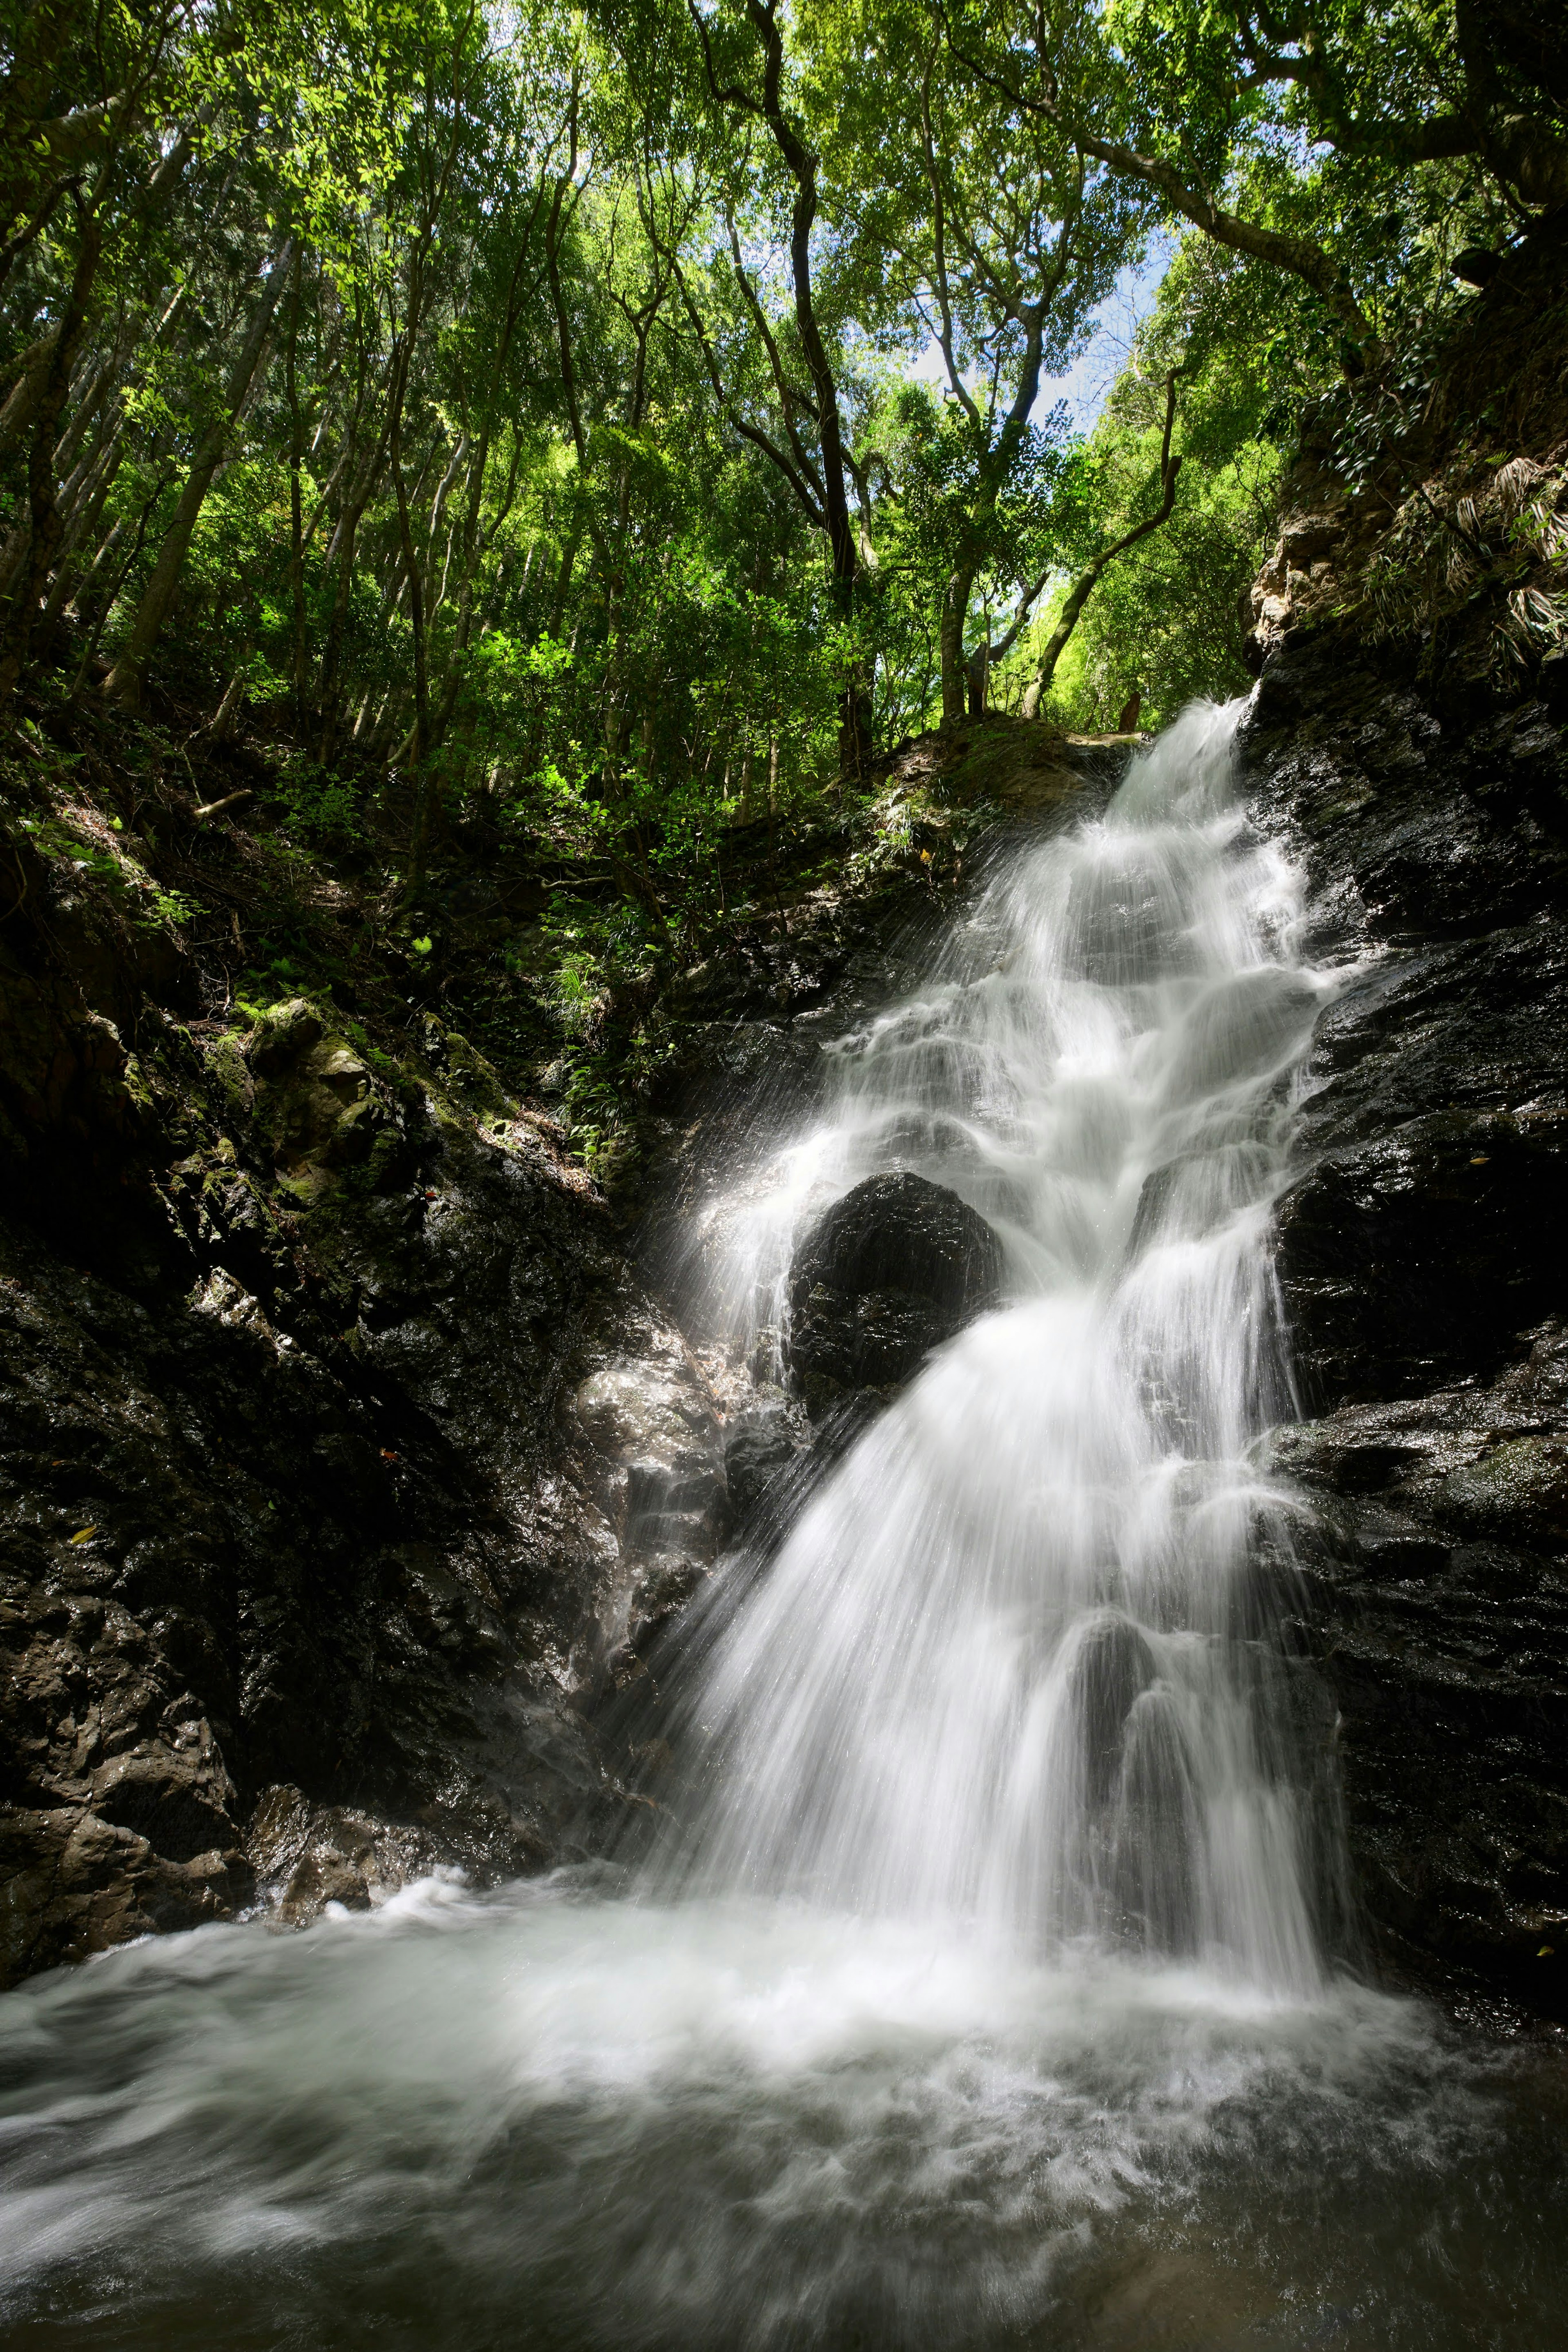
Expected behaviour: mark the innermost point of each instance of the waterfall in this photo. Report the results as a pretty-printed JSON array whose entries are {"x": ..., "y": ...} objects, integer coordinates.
[
  {"x": 1011, "y": 1664},
  {"x": 975, "y": 1996}
]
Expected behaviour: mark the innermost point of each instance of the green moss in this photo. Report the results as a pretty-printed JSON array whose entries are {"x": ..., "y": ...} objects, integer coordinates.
[
  {"x": 1518, "y": 1491},
  {"x": 473, "y": 1079},
  {"x": 227, "y": 1064}
]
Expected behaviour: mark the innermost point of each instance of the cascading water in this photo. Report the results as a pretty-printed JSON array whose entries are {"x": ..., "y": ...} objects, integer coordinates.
[
  {"x": 1010, "y": 1666},
  {"x": 976, "y": 1995}
]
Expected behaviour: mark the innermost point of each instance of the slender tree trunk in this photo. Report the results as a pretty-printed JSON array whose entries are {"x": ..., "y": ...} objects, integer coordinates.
[
  {"x": 296, "y": 505},
  {"x": 955, "y": 614},
  {"x": 123, "y": 683},
  {"x": 43, "y": 513},
  {"x": 227, "y": 711},
  {"x": 80, "y": 529},
  {"x": 339, "y": 562},
  {"x": 113, "y": 596},
  {"x": 1083, "y": 587},
  {"x": 977, "y": 677},
  {"x": 854, "y": 701},
  {"x": 425, "y": 786}
]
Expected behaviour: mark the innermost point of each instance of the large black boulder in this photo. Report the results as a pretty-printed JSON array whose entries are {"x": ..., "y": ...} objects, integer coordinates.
[{"x": 890, "y": 1271}]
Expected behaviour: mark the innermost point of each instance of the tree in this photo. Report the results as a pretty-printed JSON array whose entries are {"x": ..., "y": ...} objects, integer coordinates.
[{"x": 1203, "y": 106}]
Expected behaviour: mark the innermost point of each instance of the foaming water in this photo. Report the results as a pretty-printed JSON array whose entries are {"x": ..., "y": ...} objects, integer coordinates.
[
  {"x": 560, "y": 2119},
  {"x": 1013, "y": 1665},
  {"x": 979, "y": 1993}
]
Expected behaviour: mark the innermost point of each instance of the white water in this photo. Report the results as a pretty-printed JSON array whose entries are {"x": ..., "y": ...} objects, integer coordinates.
[
  {"x": 977, "y": 1997},
  {"x": 1010, "y": 1666}
]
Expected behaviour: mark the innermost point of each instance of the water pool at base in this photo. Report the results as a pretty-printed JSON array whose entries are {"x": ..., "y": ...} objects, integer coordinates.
[{"x": 563, "y": 2118}]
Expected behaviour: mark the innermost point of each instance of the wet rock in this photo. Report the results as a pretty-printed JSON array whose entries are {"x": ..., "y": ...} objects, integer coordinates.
[
  {"x": 1422, "y": 784},
  {"x": 758, "y": 1446},
  {"x": 314, "y": 1100},
  {"x": 308, "y": 1855},
  {"x": 654, "y": 1463},
  {"x": 1434, "y": 1560},
  {"x": 1112, "y": 1666},
  {"x": 161, "y": 1797},
  {"x": 888, "y": 1272},
  {"x": 72, "y": 1884},
  {"x": 378, "y": 1536}
]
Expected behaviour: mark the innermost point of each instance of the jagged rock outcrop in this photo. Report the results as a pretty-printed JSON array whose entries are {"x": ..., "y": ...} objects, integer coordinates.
[
  {"x": 342, "y": 1462},
  {"x": 1429, "y": 1231},
  {"x": 1436, "y": 1560}
]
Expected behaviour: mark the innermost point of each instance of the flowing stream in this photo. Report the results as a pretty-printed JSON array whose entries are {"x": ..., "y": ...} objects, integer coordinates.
[{"x": 992, "y": 1980}]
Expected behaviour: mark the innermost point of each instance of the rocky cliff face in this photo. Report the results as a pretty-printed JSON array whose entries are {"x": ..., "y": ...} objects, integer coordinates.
[
  {"x": 1421, "y": 772},
  {"x": 342, "y": 1459}
]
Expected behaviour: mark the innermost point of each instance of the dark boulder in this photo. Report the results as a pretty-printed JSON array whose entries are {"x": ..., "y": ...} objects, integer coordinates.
[{"x": 890, "y": 1271}]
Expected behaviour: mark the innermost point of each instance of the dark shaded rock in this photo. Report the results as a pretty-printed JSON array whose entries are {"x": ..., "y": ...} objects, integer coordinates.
[
  {"x": 1435, "y": 1561},
  {"x": 1427, "y": 1228},
  {"x": 176, "y": 1810},
  {"x": 380, "y": 1535},
  {"x": 757, "y": 1448},
  {"x": 1428, "y": 1222},
  {"x": 1416, "y": 1256},
  {"x": 887, "y": 1274}
]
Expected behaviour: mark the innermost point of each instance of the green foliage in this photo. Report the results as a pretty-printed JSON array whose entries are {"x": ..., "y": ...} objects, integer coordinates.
[
  {"x": 321, "y": 808},
  {"x": 569, "y": 422},
  {"x": 1166, "y": 620}
]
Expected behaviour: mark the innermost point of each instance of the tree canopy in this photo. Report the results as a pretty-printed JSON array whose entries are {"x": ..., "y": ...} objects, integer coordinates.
[{"x": 639, "y": 415}]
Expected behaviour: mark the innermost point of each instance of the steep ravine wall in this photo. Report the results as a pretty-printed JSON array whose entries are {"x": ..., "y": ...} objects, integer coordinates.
[{"x": 1422, "y": 777}]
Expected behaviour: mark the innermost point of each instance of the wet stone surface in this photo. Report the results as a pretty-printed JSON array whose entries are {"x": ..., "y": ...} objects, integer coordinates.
[
  {"x": 888, "y": 1272},
  {"x": 346, "y": 1458},
  {"x": 1420, "y": 1249}
]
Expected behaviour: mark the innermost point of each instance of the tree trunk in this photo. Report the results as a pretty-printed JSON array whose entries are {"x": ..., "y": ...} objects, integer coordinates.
[
  {"x": 123, "y": 683},
  {"x": 977, "y": 677},
  {"x": 1083, "y": 587},
  {"x": 296, "y": 506},
  {"x": 43, "y": 520},
  {"x": 854, "y": 703},
  {"x": 425, "y": 791},
  {"x": 954, "y": 614}
]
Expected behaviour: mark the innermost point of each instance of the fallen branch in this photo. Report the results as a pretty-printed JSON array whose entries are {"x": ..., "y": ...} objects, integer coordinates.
[{"x": 230, "y": 800}]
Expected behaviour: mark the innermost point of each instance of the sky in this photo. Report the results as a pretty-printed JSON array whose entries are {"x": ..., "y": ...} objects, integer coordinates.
[{"x": 1087, "y": 383}]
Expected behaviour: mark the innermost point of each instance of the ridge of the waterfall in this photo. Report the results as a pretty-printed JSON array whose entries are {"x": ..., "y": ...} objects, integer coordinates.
[{"x": 994, "y": 1671}]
